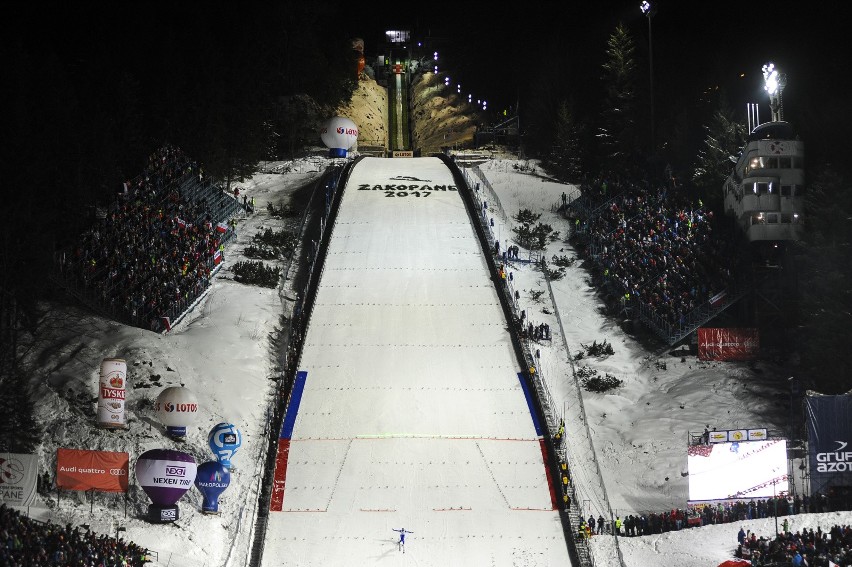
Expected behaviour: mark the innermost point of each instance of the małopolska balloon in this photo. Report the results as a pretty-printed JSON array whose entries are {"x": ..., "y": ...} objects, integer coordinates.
[
  {"x": 339, "y": 134},
  {"x": 224, "y": 440},
  {"x": 177, "y": 408},
  {"x": 212, "y": 480}
]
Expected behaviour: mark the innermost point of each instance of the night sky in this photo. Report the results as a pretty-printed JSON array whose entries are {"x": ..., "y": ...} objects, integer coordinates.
[
  {"x": 697, "y": 47},
  {"x": 495, "y": 52}
]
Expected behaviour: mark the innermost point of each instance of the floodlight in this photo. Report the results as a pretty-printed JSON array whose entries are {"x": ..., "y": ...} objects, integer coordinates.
[
  {"x": 645, "y": 6},
  {"x": 770, "y": 77},
  {"x": 435, "y": 56}
]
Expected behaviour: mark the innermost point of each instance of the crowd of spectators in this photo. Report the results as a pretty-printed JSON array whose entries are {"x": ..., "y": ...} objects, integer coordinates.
[
  {"x": 153, "y": 251},
  {"x": 723, "y": 512},
  {"x": 655, "y": 245},
  {"x": 805, "y": 547},
  {"x": 28, "y": 543}
]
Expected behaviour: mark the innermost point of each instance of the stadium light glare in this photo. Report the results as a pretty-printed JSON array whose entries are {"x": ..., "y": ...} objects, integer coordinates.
[
  {"x": 645, "y": 6},
  {"x": 770, "y": 77}
]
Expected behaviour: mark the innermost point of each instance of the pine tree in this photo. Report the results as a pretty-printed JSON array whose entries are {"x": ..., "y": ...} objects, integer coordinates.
[
  {"x": 724, "y": 140},
  {"x": 564, "y": 159},
  {"x": 617, "y": 133}
]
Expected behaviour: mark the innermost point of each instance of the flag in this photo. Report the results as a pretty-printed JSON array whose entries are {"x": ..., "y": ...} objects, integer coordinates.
[
  {"x": 181, "y": 222},
  {"x": 222, "y": 227},
  {"x": 718, "y": 299},
  {"x": 167, "y": 323},
  {"x": 217, "y": 257}
]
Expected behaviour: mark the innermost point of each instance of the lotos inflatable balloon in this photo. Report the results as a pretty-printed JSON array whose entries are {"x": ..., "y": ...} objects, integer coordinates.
[
  {"x": 212, "y": 480},
  {"x": 224, "y": 440},
  {"x": 165, "y": 476},
  {"x": 177, "y": 407},
  {"x": 339, "y": 134}
]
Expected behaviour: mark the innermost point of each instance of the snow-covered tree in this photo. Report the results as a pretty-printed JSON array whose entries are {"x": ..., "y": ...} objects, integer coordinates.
[
  {"x": 564, "y": 158},
  {"x": 723, "y": 142},
  {"x": 617, "y": 131}
]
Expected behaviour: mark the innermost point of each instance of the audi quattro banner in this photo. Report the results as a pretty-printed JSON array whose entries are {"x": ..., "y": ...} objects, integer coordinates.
[
  {"x": 727, "y": 344},
  {"x": 829, "y": 441},
  {"x": 86, "y": 470},
  {"x": 18, "y": 478}
]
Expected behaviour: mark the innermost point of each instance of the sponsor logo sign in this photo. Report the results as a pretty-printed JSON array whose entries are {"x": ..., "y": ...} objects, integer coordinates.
[
  {"x": 737, "y": 435},
  {"x": 829, "y": 441},
  {"x": 80, "y": 469},
  {"x": 839, "y": 460},
  {"x": 727, "y": 344},
  {"x": 757, "y": 434},
  {"x": 18, "y": 478}
]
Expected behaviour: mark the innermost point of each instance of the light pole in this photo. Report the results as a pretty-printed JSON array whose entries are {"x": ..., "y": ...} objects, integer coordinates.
[
  {"x": 649, "y": 12},
  {"x": 775, "y": 499}
]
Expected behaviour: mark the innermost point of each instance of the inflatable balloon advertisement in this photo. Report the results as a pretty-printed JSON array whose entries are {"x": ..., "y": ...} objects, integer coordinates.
[
  {"x": 165, "y": 475},
  {"x": 224, "y": 440},
  {"x": 339, "y": 135},
  {"x": 112, "y": 387},
  {"x": 177, "y": 408},
  {"x": 212, "y": 480}
]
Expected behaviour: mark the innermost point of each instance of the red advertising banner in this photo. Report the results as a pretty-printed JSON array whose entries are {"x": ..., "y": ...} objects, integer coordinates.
[
  {"x": 86, "y": 470},
  {"x": 727, "y": 344}
]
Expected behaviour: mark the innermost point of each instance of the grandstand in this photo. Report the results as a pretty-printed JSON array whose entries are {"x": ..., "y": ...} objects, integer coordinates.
[{"x": 148, "y": 258}]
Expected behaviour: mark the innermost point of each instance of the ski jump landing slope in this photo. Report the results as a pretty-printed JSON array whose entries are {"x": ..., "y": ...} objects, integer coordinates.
[{"x": 408, "y": 411}]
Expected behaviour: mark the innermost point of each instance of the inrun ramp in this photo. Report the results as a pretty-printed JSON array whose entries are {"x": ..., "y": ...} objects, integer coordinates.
[{"x": 408, "y": 411}]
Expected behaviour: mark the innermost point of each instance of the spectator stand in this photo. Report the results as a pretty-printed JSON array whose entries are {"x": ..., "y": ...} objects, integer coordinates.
[
  {"x": 149, "y": 259},
  {"x": 657, "y": 257}
]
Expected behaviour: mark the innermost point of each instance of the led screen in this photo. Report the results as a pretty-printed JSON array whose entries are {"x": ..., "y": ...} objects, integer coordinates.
[{"x": 746, "y": 469}]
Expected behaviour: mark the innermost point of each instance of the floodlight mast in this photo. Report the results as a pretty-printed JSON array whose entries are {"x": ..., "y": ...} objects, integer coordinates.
[
  {"x": 774, "y": 85},
  {"x": 649, "y": 12}
]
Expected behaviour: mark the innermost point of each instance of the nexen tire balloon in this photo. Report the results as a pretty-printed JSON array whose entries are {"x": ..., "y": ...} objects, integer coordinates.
[{"x": 165, "y": 476}]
